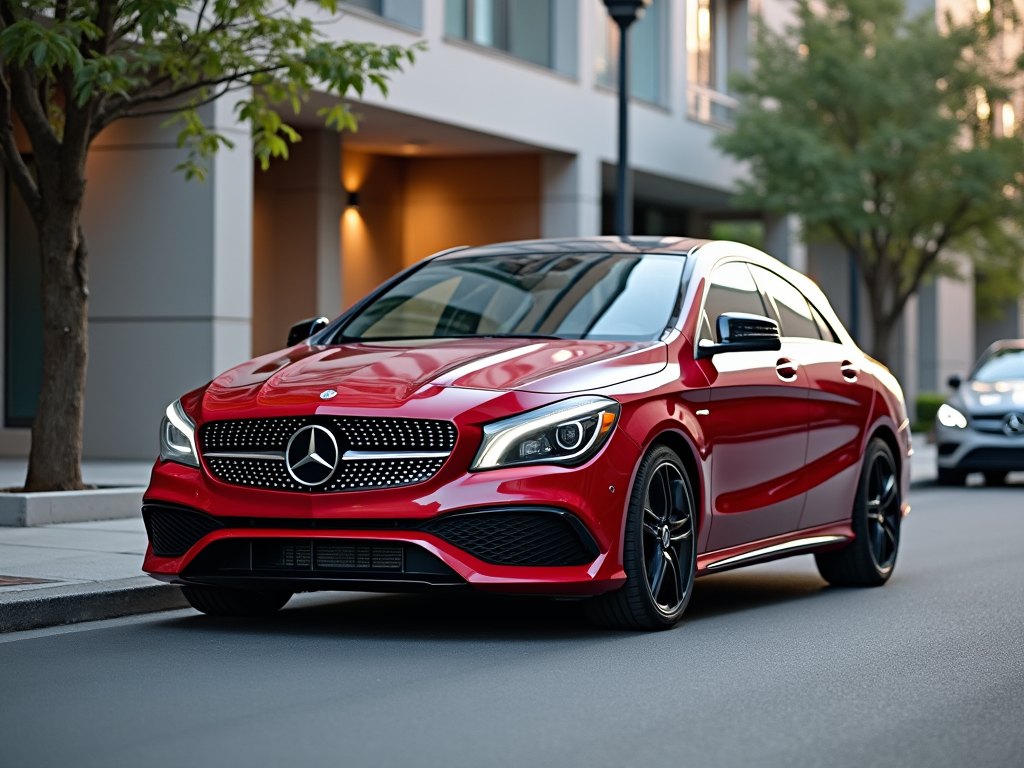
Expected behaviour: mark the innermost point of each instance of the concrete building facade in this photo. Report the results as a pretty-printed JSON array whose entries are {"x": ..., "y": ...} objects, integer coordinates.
[{"x": 505, "y": 128}]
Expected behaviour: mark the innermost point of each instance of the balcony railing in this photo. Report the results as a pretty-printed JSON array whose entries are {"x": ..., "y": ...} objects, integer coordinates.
[{"x": 709, "y": 106}]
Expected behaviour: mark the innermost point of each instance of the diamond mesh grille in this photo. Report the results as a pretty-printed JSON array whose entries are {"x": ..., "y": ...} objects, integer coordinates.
[
  {"x": 514, "y": 538},
  {"x": 353, "y": 432}
]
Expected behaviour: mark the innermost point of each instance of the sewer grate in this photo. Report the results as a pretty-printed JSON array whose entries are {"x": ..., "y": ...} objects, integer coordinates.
[{"x": 17, "y": 581}]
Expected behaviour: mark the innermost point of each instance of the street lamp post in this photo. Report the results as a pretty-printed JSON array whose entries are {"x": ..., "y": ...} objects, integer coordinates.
[{"x": 624, "y": 13}]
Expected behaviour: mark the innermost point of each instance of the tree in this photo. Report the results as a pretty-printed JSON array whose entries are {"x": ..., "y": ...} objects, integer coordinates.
[
  {"x": 884, "y": 133},
  {"x": 70, "y": 68}
]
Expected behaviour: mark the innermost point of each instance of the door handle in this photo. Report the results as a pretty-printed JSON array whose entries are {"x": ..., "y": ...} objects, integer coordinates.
[
  {"x": 849, "y": 370},
  {"x": 786, "y": 369}
]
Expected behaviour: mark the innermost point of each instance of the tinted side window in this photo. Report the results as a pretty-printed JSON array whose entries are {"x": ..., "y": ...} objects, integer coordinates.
[
  {"x": 732, "y": 290},
  {"x": 794, "y": 311},
  {"x": 823, "y": 327}
]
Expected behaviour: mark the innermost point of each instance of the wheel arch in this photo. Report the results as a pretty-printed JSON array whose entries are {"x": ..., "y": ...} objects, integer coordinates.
[
  {"x": 681, "y": 445},
  {"x": 885, "y": 433}
]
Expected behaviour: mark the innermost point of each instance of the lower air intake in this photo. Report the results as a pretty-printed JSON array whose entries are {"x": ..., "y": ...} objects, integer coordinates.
[
  {"x": 172, "y": 531},
  {"x": 537, "y": 538}
]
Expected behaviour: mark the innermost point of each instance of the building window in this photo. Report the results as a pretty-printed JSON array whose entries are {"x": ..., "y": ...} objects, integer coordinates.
[
  {"x": 409, "y": 13},
  {"x": 539, "y": 31},
  {"x": 23, "y": 316},
  {"x": 647, "y": 53},
  {"x": 716, "y": 44}
]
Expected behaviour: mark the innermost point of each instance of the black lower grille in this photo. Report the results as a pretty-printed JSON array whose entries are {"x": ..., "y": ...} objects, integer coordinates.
[
  {"x": 993, "y": 458},
  {"x": 540, "y": 538},
  {"x": 948, "y": 449},
  {"x": 173, "y": 531},
  {"x": 310, "y": 554}
]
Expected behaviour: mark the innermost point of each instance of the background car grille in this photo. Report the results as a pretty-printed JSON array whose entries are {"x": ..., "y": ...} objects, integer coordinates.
[
  {"x": 354, "y": 433},
  {"x": 515, "y": 538},
  {"x": 1009, "y": 459},
  {"x": 173, "y": 531}
]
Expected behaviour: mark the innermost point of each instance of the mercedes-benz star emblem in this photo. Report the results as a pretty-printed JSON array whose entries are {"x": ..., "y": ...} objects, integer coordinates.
[
  {"x": 312, "y": 455},
  {"x": 1013, "y": 424},
  {"x": 327, "y": 394}
]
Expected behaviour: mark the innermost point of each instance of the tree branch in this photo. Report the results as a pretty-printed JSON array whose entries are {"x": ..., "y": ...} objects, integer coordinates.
[{"x": 12, "y": 158}]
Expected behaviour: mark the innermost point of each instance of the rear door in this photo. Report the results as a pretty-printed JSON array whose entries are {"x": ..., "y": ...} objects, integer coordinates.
[
  {"x": 758, "y": 417},
  {"x": 839, "y": 402}
]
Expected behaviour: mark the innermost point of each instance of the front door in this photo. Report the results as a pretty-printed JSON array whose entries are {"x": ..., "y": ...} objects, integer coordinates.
[{"x": 758, "y": 416}]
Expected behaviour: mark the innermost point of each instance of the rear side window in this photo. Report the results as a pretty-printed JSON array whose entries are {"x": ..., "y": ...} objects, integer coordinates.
[
  {"x": 823, "y": 327},
  {"x": 732, "y": 289},
  {"x": 794, "y": 312}
]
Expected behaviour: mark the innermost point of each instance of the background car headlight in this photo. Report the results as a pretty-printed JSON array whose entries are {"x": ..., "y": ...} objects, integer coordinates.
[
  {"x": 178, "y": 436},
  {"x": 949, "y": 416},
  {"x": 568, "y": 432}
]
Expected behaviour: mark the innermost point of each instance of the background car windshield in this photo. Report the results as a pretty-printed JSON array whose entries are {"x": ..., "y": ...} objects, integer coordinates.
[
  {"x": 572, "y": 296},
  {"x": 1004, "y": 365}
]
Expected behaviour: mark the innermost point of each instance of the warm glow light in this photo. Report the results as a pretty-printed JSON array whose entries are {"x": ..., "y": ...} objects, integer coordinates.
[
  {"x": 984, "y": 6},
  {"x": 703, "y": 24},
  {"x": 1008, "y": 119},
  {"x": 984, "y": 110}
]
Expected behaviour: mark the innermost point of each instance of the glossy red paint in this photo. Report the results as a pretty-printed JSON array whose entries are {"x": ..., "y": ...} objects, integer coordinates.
[{"x": 774, "y": 458}]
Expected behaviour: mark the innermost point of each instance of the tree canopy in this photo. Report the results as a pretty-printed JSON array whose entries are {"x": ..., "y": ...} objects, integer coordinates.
[{"x": 887, "y": 134}]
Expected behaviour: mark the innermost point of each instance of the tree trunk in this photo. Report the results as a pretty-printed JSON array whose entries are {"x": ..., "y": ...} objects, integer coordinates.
[
  {"x": 883, "y": 325},
  {"x": 55, "y": 460}
]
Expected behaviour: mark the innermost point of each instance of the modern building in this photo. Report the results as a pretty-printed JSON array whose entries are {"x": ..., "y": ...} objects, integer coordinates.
[{"x": 505, "y": 128}]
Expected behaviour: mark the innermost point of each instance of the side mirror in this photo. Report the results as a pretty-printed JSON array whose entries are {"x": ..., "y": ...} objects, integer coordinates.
[
  {"x": 740, "y": 332},
  {"x": 303, "y": 329},
  {"x": 954, "y": 381}
]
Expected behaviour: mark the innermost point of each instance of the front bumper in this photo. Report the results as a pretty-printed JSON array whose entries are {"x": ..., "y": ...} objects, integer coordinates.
[
  {"x": 400, "y": 523},
  {"x": 972, "y": 450}
]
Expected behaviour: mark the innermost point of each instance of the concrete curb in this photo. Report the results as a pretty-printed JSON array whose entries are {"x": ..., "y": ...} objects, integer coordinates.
[
  {"x": 47, "y": 508},
  {"x": 72, "y": 603}
]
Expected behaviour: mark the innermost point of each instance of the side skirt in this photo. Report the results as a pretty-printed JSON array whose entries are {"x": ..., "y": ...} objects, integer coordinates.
[{"x": 819, "y": 539}]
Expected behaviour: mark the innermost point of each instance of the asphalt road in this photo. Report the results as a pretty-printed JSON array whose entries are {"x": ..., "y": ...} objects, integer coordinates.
[{"x": 771, "y": 668}]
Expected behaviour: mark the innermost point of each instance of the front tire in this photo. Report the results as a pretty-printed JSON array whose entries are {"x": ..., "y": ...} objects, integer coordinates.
[
  {"x": 659, "y": 552},
  {"x": 222, "y": 601},
  {"x": 878, "y": 510}
]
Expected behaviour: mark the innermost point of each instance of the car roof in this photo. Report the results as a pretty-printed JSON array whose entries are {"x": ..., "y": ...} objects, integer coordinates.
[{"x": 609, "y": 244}]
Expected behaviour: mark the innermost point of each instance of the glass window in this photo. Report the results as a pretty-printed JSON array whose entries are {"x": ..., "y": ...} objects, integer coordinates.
[
  {"x": 406, "y": 12},
  {"x": 571, "y": 296},
  {"x": 646, "y": 52},
  {"x": 700, "y": 37},
  {"x": 823, "y": 327},
  {"x": 732, "y": 289},
  {"x": 539, "y": 31},
  {"x": 794, "y": 312},
  {"x": 1004, "y": 365},
  {"x": 23, "y": 316}
]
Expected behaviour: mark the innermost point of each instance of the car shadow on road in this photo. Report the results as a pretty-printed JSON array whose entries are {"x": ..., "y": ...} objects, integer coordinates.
[{"x": 482, "y": 617}]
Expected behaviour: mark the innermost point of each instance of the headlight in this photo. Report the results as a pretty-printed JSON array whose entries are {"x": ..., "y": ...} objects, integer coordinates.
[
  {"x": 949, "y": 416},
  {"x": 178, "y": 436},
  {"x": 568, "y": 432}
]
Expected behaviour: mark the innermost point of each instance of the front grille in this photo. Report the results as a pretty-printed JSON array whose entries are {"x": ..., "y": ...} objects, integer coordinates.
[
  {"x": 993, "y": 458},
  {"x": 173, "y": 531},
  {"x": 310, "y": 554},
  {"x": 515, "y": 538},
  {"x": 390, "y": 437},
  {"x": 948, "y": 449}
]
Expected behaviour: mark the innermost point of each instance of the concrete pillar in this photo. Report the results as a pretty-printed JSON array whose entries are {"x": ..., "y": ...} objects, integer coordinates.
[
  {"x": 946, "y": 330},
  {"x": 570, "y": 195},
  {"x": 783, "y": 239},
  {"x": 297, "y": 250},
  {"x": 170, "y": 277}
]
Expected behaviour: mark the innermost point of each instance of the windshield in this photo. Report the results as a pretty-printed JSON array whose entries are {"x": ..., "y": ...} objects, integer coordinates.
[
  {"x": 569, "y": 296},
  {"x": 1004, "y": 365}
]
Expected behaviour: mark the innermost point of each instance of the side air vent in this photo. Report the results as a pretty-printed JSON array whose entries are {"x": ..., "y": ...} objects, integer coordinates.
[
  {"x": 173, "y": 531},
  {"x": 527, "y": 537}
]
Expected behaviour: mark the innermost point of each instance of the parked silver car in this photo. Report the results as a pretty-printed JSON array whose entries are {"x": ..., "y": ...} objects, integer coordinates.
[{"x": 981, "y": 427}]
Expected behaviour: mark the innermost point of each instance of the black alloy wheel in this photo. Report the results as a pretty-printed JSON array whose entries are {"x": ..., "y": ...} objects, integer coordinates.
[
  {"x": 659, "y": 551},
  {"x": 878, "y": 510}
]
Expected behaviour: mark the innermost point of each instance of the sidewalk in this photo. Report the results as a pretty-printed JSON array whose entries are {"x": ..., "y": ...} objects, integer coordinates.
[{"x": 62, "y": 574}]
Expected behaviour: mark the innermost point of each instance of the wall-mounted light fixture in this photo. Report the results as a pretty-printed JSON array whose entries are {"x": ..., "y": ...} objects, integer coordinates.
[{"x": 353, "y": 200}]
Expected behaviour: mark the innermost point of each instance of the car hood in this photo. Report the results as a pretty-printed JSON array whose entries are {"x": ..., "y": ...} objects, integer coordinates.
[{"x": 388, "y": 373}]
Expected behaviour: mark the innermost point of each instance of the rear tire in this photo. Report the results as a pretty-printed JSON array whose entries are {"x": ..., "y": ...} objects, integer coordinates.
[
  {"x": 659, "y": 553},
  {"x": 951, "y": 476},
  {"x": 878, "y": 510},
  {"x": 222, "y": 601}
]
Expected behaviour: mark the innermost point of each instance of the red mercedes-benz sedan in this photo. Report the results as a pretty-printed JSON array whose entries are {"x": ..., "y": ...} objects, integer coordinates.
[{"x": 602, "y": 418}]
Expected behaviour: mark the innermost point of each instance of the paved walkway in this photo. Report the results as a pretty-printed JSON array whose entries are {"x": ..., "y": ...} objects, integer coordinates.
[{"x": 104, "y": 474}]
